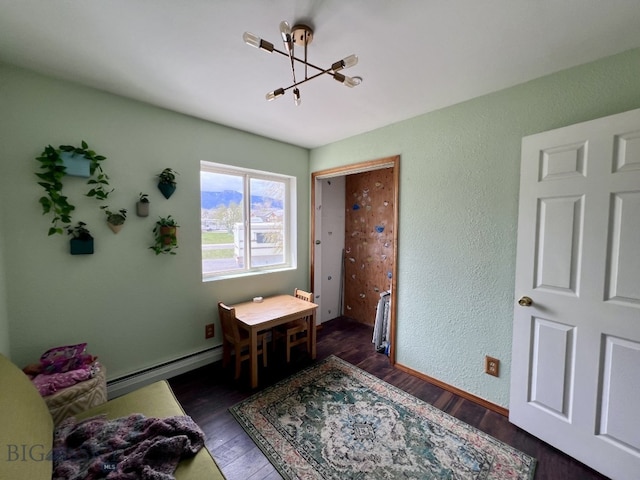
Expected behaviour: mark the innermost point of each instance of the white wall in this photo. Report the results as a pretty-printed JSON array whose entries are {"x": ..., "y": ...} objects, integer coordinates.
[
  {"x": 331, "y": 235},
  {"x": 133, "y": 308},
  {"x": 459, "y": 177}
]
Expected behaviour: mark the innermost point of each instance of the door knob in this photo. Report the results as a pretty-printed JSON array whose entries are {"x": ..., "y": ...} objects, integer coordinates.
[{"x": 525, "y": 301}]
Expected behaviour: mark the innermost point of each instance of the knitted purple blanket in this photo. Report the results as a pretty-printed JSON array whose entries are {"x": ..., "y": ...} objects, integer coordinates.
[{"x": 128, "y": 448}]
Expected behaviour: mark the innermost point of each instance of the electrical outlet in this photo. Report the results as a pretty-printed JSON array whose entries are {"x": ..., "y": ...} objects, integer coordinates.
[
  {"x": 492, "y": 366},
  {"x": 209, "y": 330}
]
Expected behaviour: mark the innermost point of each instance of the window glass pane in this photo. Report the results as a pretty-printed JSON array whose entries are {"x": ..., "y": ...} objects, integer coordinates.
[
  {"x": 221, "y": 198},
  {"x": 267, "y": 212},
  {"x": 247, "y": 221}
]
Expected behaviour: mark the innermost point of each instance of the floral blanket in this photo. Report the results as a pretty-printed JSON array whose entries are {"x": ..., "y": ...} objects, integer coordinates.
[{"x": 128, "y": 448}]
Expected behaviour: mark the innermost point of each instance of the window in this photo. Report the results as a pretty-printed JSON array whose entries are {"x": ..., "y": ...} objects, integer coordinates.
[{"x": 247, "y": 219}]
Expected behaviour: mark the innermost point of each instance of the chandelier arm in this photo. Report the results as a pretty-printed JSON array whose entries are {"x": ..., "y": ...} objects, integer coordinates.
[
  {"x": 305, "y": 59},
  {"x": 284, "y": 54},
  {"x": 287, "y": 41},
  {"x": 328, "y": 72}
]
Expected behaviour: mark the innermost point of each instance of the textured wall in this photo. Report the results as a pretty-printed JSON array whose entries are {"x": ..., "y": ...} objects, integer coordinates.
[
  {"x": 459, "y": 177},
  {"x": 4, "y": 315},
  {"x": 134, "y": 309}
]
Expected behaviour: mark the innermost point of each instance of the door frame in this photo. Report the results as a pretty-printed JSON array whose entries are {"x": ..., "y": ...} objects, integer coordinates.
[{"x": 367, "y": 166}]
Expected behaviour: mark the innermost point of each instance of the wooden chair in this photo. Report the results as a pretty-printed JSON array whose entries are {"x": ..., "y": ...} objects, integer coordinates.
[
  {"x": 296, "y": 332},
  {"x": 237, "y": 339}
]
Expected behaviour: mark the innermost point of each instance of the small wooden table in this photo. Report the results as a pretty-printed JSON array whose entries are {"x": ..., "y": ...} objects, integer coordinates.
[{"x": 272, "y": 311}]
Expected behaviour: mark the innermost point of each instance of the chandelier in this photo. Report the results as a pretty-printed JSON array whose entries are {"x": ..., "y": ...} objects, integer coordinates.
[{"x": 301, "y": 36}]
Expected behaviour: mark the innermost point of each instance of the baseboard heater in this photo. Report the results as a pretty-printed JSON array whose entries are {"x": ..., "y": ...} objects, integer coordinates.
[{"x": 133, "y": 381}]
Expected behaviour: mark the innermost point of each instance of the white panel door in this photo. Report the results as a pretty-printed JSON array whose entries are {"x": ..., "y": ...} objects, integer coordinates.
[{"x": 575, "y": 374}]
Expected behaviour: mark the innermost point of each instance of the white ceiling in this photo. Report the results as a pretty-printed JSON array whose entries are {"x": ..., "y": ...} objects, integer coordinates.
[{"x": 415, "y": 56}]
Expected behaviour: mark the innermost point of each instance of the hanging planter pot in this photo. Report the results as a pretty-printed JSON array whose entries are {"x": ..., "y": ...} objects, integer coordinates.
[
  {"x": 169, "y": 235},
  {"x": 82, "y": 241},
  {"x": 76, "y": 165},
  {"x": 114, "y": 228},
  {"x": 142, "y": 207},
  {"x": 115, "y": 221},
  {"x": 165, "y": 235},
  {"x": 79, "y": 246},
  {"x": 55, "y": 165},
  {"x": 167, "y": 183},
  {"x": 167, "y": 189}
]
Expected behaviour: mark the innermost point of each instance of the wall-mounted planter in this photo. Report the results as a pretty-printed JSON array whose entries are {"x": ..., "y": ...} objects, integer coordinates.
[
  {"x": 115, "y": 220},
  {"x": 55, "y": 165},
  {"x": 76, "y": 165},
  {"x": 167, "y": 182},
  {"x": 167, "y": 189},
  {"x": 81, "y": 242},
  {"x": 165, "y": 234},
  {"x": 142, "y": 209},
  {"x": 79, "y": 246},
  {"x": 169, "y": 235},
  {"x": 115, "y": 228}
]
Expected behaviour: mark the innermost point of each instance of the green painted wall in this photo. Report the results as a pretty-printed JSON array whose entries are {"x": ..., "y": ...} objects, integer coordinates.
[
  {"x": 4, "y": 316},
  {"x": 458, "y": 203},
  {"x": 459, "y": 180},
  {"x": 133, "y": 308}
]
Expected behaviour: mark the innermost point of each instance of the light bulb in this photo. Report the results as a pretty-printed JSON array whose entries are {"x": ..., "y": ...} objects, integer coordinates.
[
  {"x": 255, "y": 41},
  {"x": 352, "y": 82},
  {"x": 348, "y": 81},
  {"x": 285, "y": 32},
  {"x": 285, "y": 29},
  {"x": 251, "y": 39},
  {"x": 296, "y": 97},
  {"x": 347, "y": 62},
  {"x": 350, "y": 61},
  {"x": 275, "y": 94}
]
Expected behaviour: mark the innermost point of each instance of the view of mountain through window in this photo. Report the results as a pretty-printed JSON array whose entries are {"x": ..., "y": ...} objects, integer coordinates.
[{"x": 244, "y": 220}]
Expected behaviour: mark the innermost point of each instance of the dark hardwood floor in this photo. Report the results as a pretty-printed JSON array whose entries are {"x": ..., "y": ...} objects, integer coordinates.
[{"x": 208, "y": 392}]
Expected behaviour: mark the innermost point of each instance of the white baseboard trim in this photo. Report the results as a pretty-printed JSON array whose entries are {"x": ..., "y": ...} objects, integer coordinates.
[{"x": 129, "y": 383}]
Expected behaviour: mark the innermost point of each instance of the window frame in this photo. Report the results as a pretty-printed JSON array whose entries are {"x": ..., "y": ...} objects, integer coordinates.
[{"x": 289, "y": 220}]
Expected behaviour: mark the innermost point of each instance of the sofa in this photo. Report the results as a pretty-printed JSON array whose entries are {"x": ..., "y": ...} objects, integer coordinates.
[{"x": 27, "y": 427}]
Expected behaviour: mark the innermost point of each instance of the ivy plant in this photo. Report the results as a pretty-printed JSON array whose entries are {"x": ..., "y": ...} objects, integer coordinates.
[
  {"x": 52, "y": 174},
  {"x": 165, "y": 236}
]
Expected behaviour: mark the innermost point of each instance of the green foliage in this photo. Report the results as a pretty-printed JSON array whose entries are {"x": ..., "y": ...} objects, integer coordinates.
[
  {"x": 144, "y": 198},
  {"x": 53, "y": 171},
  {"x": 228, "y": 216},
  {"x": 115, "y": 218},
  {"x": 80, "y": 231},
  {"x": 168, "y": 221},
  {"x": 168, "y": 176},
  {"x": 165, "y": 234},
  {"x": 51, "y": 180},
  {"x": 222, "y": 254},
  {"x": 216, "y": 238}
]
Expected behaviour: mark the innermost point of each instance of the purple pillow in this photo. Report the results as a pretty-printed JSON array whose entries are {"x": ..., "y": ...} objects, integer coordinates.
[{"x": 63, "y": 359}]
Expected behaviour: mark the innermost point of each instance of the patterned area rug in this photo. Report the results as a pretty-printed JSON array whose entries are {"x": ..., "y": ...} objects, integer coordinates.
[{"x": 335, "y": 421}]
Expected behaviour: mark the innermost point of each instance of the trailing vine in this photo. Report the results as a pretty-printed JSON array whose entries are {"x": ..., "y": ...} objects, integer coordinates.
[
  {"x": 165, "y": 236},
  {"x": 54, "y": 171}
]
